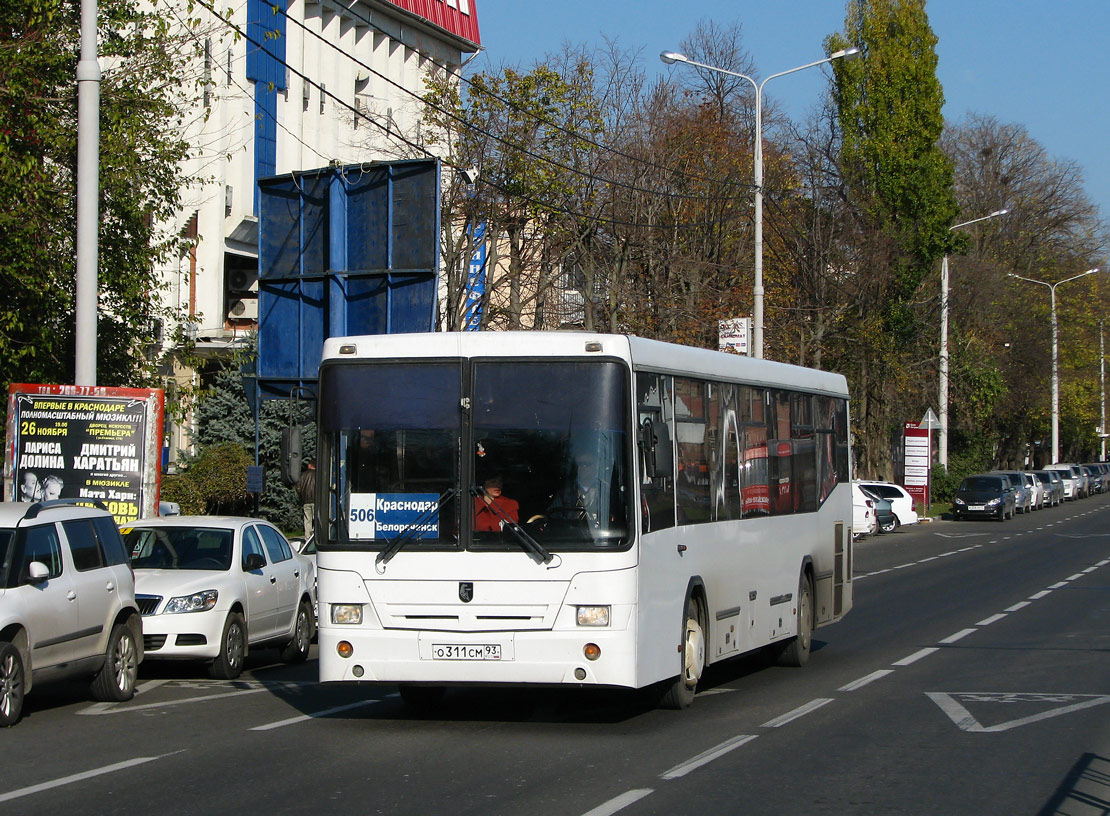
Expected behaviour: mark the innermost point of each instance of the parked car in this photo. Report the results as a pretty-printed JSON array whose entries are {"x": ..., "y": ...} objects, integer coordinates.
[
  {"x": 864, "y": 522},
  {"x": 1053, "y": 485},
  {"x": 213, "y": 587},
  {"x": 1023, "y": 493},
  {"x": 901, "y": 501},
  {"x": 884, "y": 511},
  {"x": 1038, "y": 490},
  {"x": 1094, "y": 478},
  {"x": 67, "y": 603},
  {"x": 1073, "y": 482},
  {"x": 987, "y": 495}
]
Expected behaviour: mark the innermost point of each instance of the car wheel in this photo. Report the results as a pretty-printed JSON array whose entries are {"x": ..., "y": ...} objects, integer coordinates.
[
  {"x": 680, "y": 692},
  {"x": 233, "y": 649},
  {"x": 115, "y": 682},
  {"x": 296, "y": 650},
  {"x": 796, "y": 651},
  {"x": 11, "y": 685},
  {"x": 890, "y": 526}
]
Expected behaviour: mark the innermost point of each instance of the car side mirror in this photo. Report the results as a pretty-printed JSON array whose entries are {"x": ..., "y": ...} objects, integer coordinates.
[
  {"x": 37, "y": 572},
  {"x": 254, "y": 561}
]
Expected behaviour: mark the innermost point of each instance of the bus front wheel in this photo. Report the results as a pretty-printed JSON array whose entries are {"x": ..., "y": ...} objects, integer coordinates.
[{"x": 680, "y": 693}]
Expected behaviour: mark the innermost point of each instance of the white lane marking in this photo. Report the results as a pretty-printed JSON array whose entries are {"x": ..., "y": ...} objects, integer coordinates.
[
  {"x": 1075, "y": 577},
  {"x": 930, "y": 558},
  {"x": 1037, "y": 596},
  {"x": 619, "y": 802},
  {"x": 863, "y": 681},
  {"x": 102, "y": 708},
  {"x": 171, "y": 703},
  {"x": 905, "y": 661},
  {"x": 903, "y": 566},
  {"x": 1089, "y": 569},
  {"x": 966, "y": 722},
  {"x": 958, "y": 635},
  {"x": 800, "y": 711},
  {"x": 1103, "y": 563},
  {"x": 707, "y": 756},
  {"x": 314, "y": 715},
  {"x": 1058, "y": 584},
  {"x": 67, "y": 780},
  {"x": 1017, "y": 606},
  {"x": 991, "y": 619},
  {"x": 712, "y": 691}
]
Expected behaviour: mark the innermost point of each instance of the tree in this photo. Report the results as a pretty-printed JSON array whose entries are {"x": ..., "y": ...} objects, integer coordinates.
[
  {"x": 140, "y": 180},
  {"x": 899, "y": 184}
]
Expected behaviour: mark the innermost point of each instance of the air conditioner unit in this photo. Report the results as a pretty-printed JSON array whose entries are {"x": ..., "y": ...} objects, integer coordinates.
[
  {"x": 244, "y": 309},
  {"x": 242, "y": 280}
]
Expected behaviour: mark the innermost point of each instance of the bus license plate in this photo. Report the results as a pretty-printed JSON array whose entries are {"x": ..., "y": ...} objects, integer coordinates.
[{"x": 466, "y": 651}]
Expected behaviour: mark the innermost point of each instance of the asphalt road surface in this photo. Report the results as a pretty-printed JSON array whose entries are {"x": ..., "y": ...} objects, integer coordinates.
[{"x": 972, "y": 677}]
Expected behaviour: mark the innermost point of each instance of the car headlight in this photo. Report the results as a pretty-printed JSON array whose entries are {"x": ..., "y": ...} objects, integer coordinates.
[
  {"x": 993, "y": 502},
  {"x": 197, "y": 602},
  {"x": 592, "y": 615},
  {"x": 346, "y": 613},
  {"x": 959, "y": 501}
]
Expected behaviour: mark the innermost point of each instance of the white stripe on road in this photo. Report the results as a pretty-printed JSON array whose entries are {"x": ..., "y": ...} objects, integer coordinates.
[
  {"x": 1017, "y": 606},
  {"x": 1058, "y": 584},
  {"x": 1075, "y": 577},
  {"x": 991, "y": 619},
  {"x": 800, "y": 711},
  {"x": 863, "y": 681},
  {"x": 619, "y": 802},
  {"x": 314, "y": 715},
  {"x": 905, "y": 661},
  {"x": 959, "y": 635},
  {"x": 68, "y": 780},
  {"x": 707, "y": 756},
  {"x": 1040, "y": 594}
]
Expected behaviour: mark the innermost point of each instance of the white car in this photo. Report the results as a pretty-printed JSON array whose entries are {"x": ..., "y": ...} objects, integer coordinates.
[
  {"x": 901, "y": 502},
  {"x": 67, "y": 603},
  {"x": 213, "y": 587},
  {"x": 864, "y": 520}
]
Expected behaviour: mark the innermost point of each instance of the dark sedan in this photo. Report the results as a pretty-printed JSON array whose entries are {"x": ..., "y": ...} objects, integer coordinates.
[{"x": 988, "y": 495}]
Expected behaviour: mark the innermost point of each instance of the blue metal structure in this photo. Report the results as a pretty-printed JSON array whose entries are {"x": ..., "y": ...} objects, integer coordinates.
[{"x": 343, "y": 251}]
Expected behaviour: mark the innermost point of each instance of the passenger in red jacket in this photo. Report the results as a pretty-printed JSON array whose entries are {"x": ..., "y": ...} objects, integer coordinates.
[{"x": 486, "y": 518}]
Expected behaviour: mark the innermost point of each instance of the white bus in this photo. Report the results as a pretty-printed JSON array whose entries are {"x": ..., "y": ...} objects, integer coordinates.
[{"x": 573, "y": 508}]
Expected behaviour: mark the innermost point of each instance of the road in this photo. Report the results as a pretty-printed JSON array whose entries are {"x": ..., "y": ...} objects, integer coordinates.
[{"x": 972, "y": 676}]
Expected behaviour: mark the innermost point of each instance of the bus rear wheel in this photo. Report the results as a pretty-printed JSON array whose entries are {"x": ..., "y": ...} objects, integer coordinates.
[
  {"x": 795, "y": 652},
  {"x": 680, "y": 693}
]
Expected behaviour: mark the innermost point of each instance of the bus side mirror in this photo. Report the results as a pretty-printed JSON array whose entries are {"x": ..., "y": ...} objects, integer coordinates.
[{"x": 291, "y": 450}]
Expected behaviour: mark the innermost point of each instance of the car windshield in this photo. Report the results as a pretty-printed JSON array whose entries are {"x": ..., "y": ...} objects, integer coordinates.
[
  {"x": 6, "y": 537},
  {"x": 979, "y": 483},
  {"x": 184, "y": 548}
]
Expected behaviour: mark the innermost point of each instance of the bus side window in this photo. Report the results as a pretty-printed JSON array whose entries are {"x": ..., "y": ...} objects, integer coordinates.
[{"x": 654, "y": 410}]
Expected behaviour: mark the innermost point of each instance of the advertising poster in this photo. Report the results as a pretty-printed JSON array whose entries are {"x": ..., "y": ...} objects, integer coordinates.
[{"x": 85, "y": 442}]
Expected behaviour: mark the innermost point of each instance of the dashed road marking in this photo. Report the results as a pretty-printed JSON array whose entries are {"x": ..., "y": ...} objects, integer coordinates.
[
  {"x": 800, "y": 711},
  {"x": 707, "y": 756}
]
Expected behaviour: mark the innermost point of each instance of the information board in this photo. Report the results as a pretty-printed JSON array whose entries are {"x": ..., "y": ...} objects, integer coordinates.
[{"x": 85, "y": 442}]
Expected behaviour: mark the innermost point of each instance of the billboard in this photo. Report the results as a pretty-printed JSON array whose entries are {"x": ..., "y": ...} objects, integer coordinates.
[
  {"x": 343, "y": 251},
  {"x": 85, "y": 442}
]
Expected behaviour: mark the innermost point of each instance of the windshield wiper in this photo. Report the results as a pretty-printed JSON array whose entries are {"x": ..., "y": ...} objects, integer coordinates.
[
  {"x": 410, "y": 531},
  {"x": 536, "y": 551}
]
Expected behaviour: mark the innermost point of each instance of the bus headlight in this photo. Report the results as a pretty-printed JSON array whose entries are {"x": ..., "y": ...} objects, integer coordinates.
[
  {"x": 346, "y": 613},
  {"x": 592, "y": 615}
]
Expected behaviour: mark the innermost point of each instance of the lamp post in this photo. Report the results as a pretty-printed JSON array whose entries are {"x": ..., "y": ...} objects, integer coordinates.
[
  {"x": 671, "y": 57},
  {"x": 1055, "y": 357},
  {"x": 942, "y": 430}
]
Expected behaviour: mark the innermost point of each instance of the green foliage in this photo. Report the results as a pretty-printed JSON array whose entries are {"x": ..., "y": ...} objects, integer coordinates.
[
  {"x": 140, "y": 179},
  {"x": 182, "y": 489},
  {"x": 889, "y": 106},
  {"x": 214, "y": 482},
  {"x": 223, "y": 416},
  {"x": 968, "y": 455}
]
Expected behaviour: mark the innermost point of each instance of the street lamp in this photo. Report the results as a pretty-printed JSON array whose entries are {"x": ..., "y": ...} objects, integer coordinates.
[
  {"x": 671, "y": 57},
  {"x": 942, "y": 431},
  {"x": 1055, "y": 358}
]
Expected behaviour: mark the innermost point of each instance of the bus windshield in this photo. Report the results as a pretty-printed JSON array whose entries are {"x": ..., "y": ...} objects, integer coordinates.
[{"x": 546, "y": 454}]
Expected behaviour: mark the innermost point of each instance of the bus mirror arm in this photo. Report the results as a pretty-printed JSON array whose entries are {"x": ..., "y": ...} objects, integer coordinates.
[{"x": 656, "y": 445}]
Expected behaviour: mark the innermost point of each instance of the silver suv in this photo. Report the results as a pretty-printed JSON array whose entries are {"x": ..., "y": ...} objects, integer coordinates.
[{"x": 67, "y": 603}]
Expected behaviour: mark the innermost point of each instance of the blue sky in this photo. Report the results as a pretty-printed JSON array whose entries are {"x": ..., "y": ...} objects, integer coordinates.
[{"x": 1044, "y": 64}]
